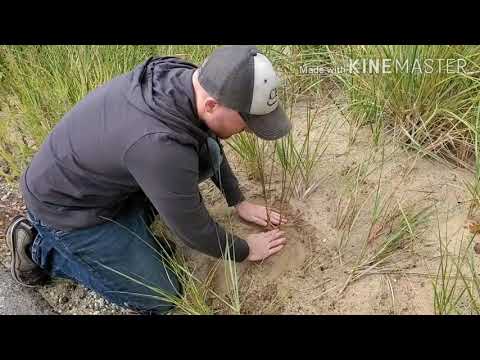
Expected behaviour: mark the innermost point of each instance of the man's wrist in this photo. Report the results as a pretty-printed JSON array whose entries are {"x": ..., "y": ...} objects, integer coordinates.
[
  {"x": 236, "y": 200},
  {"x": 240, "y": 203}
]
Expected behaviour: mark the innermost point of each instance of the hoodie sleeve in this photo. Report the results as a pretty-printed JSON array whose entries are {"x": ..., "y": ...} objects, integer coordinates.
[
  {"x": 227, "y": 183},
  {"x": 167, "y": 172}
]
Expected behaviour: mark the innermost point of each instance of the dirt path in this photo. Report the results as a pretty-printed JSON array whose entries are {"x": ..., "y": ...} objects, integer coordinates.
[{"x": 18, "y": 300}]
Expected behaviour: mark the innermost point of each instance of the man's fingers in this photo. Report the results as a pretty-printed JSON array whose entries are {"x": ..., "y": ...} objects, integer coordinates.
[
  {"x": 272, "y": 232},
  {"x": 283, "y": 218},
  {"x": 260, "y": 221},
  {"x": 272, "y": 210},
  {"x": 275, "y": 218},
  {"x": 276, "y": 235},
  {"x": 275, "y": 250},
  {"x": 272, "y": 214},
  {"x": 277, "y": 242}
]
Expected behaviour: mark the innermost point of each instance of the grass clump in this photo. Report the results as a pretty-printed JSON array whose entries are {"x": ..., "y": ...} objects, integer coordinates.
[
  {"x": 456, "y": 286},
  {"x": 433, "y": 108}
]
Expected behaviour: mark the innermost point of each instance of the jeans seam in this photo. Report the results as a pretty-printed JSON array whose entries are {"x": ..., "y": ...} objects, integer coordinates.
[{"x": 35, "y": 245}]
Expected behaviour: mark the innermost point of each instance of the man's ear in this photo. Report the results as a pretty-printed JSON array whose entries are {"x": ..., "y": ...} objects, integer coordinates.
[{"x": 210, "y": 105}]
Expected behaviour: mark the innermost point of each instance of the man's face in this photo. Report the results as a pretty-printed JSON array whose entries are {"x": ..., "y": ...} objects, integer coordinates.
[{"x": 224, "y": 122}]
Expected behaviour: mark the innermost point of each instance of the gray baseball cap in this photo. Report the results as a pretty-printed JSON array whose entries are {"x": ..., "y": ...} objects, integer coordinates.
[{"x": 241, "y": 78}]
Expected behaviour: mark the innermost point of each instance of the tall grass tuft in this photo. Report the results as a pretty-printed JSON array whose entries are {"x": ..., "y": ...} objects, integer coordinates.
[
  {"x": 456, "y": 287},
  {"x": 252, "y": 152},
  {"x": 399, "y": 238},
  {"x": 434, "y": 109},
  {"x": 473, "y": 187}
]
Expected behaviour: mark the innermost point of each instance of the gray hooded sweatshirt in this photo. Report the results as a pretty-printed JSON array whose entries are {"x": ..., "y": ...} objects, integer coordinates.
[{"x": 139, "y": 131}]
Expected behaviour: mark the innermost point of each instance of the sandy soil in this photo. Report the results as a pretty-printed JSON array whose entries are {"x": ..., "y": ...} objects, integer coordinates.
[{"x": 307, "y": 276}]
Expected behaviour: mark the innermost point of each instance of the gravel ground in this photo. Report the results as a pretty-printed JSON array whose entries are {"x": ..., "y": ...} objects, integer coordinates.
[{"x": 19, "y": 300}]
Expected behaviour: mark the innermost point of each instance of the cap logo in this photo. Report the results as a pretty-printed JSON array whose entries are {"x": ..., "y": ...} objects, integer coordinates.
[{"x": 273, "y": 98}]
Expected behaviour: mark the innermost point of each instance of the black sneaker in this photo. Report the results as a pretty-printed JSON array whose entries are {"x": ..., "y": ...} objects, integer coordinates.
[{"x": 20, "y": 236}]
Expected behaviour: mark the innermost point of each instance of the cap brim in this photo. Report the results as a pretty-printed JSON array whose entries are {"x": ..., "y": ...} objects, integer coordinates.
[{"x": 271, "y": 126}]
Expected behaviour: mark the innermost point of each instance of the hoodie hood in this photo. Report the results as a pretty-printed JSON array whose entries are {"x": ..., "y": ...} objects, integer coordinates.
[{"x": 162, "y": 87}]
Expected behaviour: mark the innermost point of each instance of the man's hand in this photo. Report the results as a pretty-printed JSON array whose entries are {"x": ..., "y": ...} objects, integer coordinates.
[
  {"x": 258, "y": 214},
  {"x": 265, "y": 244}
]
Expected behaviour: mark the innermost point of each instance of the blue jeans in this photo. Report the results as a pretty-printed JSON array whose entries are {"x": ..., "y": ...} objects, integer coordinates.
[{"x": 101, "y": 257}]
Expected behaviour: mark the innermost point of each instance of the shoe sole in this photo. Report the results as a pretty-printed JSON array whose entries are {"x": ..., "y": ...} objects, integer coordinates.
[{"x": 11, "y": 245}]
